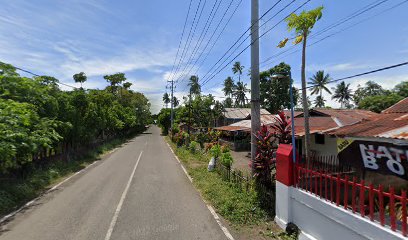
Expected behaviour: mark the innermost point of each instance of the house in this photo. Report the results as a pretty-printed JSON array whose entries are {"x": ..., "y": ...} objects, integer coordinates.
[
  {"x": 233, "y": 115},
  {"x": 323, "y": 120},
  {"x": 320, "y": 120},
  {"x": 378, "y": 146}
]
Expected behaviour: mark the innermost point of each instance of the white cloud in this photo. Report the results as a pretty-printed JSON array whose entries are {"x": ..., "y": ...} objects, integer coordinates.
[{"x": 336, "y": 67}]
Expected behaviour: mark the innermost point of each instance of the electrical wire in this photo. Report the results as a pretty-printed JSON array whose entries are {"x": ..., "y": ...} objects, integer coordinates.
[
  {"x": 181, "y": 39},
  {"x": 207, "y": 80},
  {"x": 36, "y": 75}
]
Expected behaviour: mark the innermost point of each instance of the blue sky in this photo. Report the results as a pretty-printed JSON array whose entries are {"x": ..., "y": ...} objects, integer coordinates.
[{"x": 61, "y": 38}]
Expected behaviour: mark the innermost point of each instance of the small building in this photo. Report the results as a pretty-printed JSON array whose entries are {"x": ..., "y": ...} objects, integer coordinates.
[
  {"x": 377, "y": 146},
  {"x": 233, "y": 115}
]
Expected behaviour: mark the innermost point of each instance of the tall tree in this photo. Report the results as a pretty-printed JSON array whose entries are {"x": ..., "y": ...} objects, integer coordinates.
[
  {"x": 238, "y": 68},
  {"x": 80, "y": 78},
  {"x": 319, "y": 102},
  {"x": 302, "y": 24},
  {"x": 176, "y": 102},
  {"x": 127, "y": 85},
  {"x": 319, "y": 82},
  {"x": 240, "y": 94},
  {"x": 115, "y": 80},
  {"x": 166, "y": 99},
  {"x": 402, "y": 89},
  {"x": 378, "y": 103},
  {"x": 370, "y": 89},
  {"x": 8, "y": 70},
  {"x": 275, "y": 92},
  {"x": 228, "y": 86},
  {"x": 228, "y": 103},
  {"x": 343, "y": 94},
  {"x": 195, "y": 88}
]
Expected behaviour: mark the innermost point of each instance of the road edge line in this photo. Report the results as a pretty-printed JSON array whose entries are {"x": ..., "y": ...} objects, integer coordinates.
[
  {"x": 12, "y": 214},
  {"x": 209, "y": 207},
  {"x": 122, "y": 199}
]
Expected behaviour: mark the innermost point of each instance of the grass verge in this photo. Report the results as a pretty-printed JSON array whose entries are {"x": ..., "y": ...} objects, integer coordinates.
[
  {"x": 240, "y": 208},
  {"x": 16, "y": 192}
]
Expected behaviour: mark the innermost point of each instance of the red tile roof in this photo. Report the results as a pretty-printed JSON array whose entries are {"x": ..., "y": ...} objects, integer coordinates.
[{"x": 400, "y": 107}]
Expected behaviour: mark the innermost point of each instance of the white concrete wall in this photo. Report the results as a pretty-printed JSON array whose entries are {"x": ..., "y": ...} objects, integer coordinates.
[
  {"x": 328, "y": 148},
  {"x": 318, "y": 219}
]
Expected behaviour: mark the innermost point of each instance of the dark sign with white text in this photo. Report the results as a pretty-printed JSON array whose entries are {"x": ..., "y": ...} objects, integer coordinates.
[{"x": 384, "y": 158}]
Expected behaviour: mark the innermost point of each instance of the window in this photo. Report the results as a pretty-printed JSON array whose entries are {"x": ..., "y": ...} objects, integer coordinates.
[{"x": 319, "y": 138}]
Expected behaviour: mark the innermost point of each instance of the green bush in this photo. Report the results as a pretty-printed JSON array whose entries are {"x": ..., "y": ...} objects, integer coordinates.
[
  {"x": 226, "y": 159},
  {"x": 215, "y": 150},
  {"x": 193, "y": 146}
]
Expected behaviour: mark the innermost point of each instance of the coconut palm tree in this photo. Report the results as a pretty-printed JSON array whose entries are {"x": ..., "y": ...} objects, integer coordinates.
[
  {"x": 228, "y": 86},
  {"x": 302, "y": 24},
  {"x": 195, "y": 88},
  {"x": 319, "y": 101},
  {"x": 238, "y": 68},
  {"x": 343, "y": 94},
  {"x": 319, "y": 82},
  {"x": 176, "y": 102},
  {"x": 240, "y": 94},
  {"x": 166, "y": 99}
]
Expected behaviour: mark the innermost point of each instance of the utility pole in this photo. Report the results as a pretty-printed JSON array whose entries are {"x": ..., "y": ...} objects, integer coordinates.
[
  {"x": 255, "y": 105},
  {"x": 172, "y": 104}
]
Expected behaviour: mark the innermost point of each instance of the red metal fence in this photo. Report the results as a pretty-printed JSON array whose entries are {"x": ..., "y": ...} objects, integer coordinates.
[{"x": 388, "y": 208}]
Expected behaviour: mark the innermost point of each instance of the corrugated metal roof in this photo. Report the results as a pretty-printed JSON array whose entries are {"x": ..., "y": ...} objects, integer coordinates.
[
  {"x": 400, "y": 107},
  {"x": 343, "y": 116},
  {"x": 240, "y": 113},
  {"x": 232, "y": 128},
  {"x": 391, "y": 125}
]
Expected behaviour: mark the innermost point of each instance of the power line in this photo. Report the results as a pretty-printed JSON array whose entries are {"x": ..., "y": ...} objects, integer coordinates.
[
  {"x": 353, "y": 15},
  {"x": 239, "y": 38},
  {"x": 364, "y": 73},
  {"x": 243, "y": 41},
  {"x": 207, "y": 80},
  {"x": 188, "y": 41},
  {"x": 203, "y": 33},
  {"x": 264, "y": 62},
  {"x": 181, "y": 38},
  {"x": 212, "y": 35},
  {"x": 218, "y": 37},
  {"x": 36, "y": 75},
  {"x": 355, "y": 75}
]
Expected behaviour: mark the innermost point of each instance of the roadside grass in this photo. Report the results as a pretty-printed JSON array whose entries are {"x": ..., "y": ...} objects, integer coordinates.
[
  {"x": 15, "y": 192},
  {"x": 240, "y": 208}
]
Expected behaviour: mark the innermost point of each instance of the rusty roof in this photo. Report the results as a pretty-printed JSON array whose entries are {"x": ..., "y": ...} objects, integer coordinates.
[
  {"x": 389, "y": 125},
  {"x": 342, "y": 116},
  {"x": 230, "y": 128},
  {"x": 240, "y": 113},
  {"x": 316, "y": 124},
  {"x": 400, "y": 107}
]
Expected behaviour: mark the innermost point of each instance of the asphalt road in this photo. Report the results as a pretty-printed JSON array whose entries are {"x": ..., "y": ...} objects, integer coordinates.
[{"x": 137, "y": 192}]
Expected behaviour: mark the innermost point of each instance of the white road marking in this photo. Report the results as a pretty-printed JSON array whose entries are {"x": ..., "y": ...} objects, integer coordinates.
[
  {"x": 210, "y": 208},
  {"x": 5, "y": 218},
  {"x": 122, "y": 199}
]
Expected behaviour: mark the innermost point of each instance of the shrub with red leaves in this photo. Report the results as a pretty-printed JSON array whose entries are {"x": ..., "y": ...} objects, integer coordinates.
[
  {"x": 282, "y": 128},
  {"x": 264, "y": 161}
]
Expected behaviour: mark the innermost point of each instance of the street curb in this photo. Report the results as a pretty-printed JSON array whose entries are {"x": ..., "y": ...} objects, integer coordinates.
[{"x": 209, "y": 207}]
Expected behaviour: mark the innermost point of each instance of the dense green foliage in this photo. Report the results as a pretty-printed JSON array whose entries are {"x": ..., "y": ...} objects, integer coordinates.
[
  {"x": 36, "y": 116},
  {"x": 378, "y": 103},
  {"x": 370, "y": 89},
  {"x": 274, "y": 92}
]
